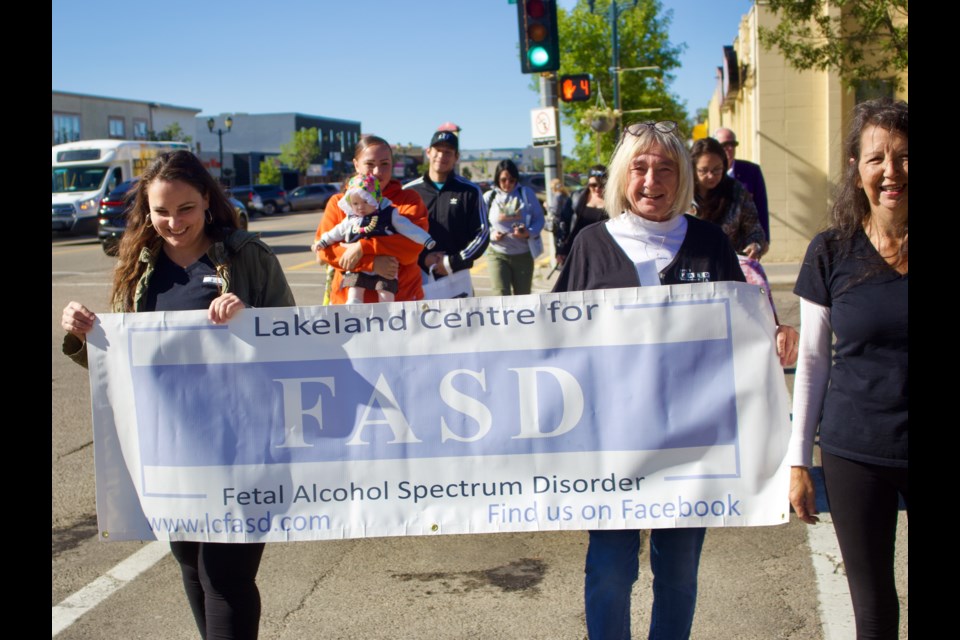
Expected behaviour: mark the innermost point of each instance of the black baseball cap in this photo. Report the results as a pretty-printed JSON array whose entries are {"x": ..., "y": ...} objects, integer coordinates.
[{"x": 446, "y": 137}]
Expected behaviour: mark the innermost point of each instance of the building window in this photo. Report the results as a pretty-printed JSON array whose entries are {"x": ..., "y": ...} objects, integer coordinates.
[
  {"x": 139, "y": 129},
  {"x": 873, "y": 89},
  {"x": 116, "y": 128},
  {"x": 66, "y": 128}
]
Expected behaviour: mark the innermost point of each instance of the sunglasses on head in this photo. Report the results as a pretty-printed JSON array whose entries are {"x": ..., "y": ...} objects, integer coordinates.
[
  {"x": 597, "y": 173},
  {"x": 664, "y": 126}
]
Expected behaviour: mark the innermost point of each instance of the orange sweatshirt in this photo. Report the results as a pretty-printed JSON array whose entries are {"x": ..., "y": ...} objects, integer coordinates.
[{"x": 409, "y": 204}]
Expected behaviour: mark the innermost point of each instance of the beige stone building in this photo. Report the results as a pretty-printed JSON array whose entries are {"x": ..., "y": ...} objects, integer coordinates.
[
  {"x": 78, "y": 116},
  {"x": 792, "y": 124}
]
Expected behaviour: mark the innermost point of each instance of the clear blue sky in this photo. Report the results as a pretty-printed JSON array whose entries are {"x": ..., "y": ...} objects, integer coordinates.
[{"x": 401, "y": 68}]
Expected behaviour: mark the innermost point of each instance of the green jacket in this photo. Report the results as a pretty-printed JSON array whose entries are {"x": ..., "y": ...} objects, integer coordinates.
[{"x": 249, "y": 270}]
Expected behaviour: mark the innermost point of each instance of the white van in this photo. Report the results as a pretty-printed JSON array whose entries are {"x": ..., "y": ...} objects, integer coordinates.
[{"x": 85, "y": 171}]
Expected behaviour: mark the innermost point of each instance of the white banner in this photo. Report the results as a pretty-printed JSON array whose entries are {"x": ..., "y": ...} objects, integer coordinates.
[{"x": 628, "y": 408}]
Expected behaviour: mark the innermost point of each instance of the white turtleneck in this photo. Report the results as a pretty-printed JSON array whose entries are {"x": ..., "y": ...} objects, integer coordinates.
[{"x": 650, "y": 245}]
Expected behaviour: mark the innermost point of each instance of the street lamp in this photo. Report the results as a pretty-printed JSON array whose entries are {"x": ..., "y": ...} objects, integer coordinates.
[
  {"x": 210, "y": 124},
  {"x": 615, "y": 62}
]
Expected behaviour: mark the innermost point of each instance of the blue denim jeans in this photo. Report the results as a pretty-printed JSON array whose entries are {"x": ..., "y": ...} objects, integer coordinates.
[{"x": 612, "y": 567}]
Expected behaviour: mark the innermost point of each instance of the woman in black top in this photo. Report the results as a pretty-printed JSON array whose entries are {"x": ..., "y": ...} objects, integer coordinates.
[
  {"x": 182, "y": 250},
  {"x": 852, "y": 372},
  {"x": 648, "y": 241},
  {"x": 581, "y": 210}
]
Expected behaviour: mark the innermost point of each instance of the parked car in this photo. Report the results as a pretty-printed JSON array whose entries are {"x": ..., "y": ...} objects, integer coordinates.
[
  {"x": 536, "y": 181},
  {"x": 273, "y": 197},
  {"x": 113, "y": 215},
  {"x": 250, "y": 198},
  {"x": 311, "y": 196}
]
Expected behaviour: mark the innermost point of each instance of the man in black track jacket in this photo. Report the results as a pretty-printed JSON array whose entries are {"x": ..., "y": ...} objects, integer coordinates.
[{"x": 457, "y": 213}]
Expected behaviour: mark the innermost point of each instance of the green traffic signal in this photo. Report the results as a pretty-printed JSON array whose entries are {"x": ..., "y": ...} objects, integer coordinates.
[
  {"x": 538, "y": 57},
  {"x": 539, "y": 39}
]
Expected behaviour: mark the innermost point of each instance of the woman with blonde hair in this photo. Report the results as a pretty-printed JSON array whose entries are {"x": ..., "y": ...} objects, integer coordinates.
[{"x": 647, "y": 242}]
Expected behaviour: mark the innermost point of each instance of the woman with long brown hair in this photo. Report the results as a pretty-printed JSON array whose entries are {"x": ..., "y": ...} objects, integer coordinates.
[
  {"x": 724, "y": 201},
  {"x": 851, "y": 382},
  {"x": 582, "y": 209},
  {"x": 182, "y": 250}
]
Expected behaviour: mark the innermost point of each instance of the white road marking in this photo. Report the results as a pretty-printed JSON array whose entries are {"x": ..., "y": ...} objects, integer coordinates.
[
  {"x": 74, "y": 606},
  {"x": 836, "y": 611}
]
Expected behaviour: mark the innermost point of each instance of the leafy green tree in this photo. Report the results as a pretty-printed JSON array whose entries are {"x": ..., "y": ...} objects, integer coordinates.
[
  {"x": 302, "y": 150},
  {"x": 270, "y": 171},
  {"x": 467, "y": 173},
  {"x": 586, "y": 42},
  {"x": 172, "y": 133},
  {"x": 865, "y": 41},
  {"x": 482, "y": 163}
]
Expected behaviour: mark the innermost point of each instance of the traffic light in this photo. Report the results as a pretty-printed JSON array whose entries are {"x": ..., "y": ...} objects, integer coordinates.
[
  {"x": 575, "y": 88},
  {"x": 539, "y": 39}
]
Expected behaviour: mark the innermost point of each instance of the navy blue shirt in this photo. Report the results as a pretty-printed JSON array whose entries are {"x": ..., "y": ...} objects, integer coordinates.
[
  {"x": 865, "y": 409},
  {"x": 173, "y": 288}
]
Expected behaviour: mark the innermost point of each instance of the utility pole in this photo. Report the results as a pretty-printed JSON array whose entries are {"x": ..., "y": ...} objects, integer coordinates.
[{"x": 615, "y": 64}]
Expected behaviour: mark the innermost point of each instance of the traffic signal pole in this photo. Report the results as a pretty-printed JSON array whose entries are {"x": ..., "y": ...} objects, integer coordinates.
[{"x": 552, "y": 156}]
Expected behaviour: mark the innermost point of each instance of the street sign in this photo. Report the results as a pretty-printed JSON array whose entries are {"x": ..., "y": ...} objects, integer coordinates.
[
  {"x": 544, "y": 126},
  {"x": 575, "y": 88}
]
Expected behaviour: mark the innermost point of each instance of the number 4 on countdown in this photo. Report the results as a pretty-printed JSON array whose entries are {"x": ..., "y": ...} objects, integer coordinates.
[{"x": 575, "y": 88}]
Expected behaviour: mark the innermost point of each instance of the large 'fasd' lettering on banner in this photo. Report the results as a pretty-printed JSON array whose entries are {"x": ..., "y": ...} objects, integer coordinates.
[{"x": 629, "y": 408}]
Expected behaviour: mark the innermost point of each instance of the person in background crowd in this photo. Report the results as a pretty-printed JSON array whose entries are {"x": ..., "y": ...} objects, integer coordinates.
[
  {"x": 720, "y": 199},
  {"x": 724, "y": 201},
  {"x": 852, "y": 372},
  {"x": 748, "y": 174},
  {"x": 647, "y": 241},
  {"x": 583, "y": 209},
  {"x": 560, "y": 198},
  {"x": 393, "y": 256},
  {"x": 517, "y": 219},
  {"x": 455, "y": 207},
  {"x": 182, "y": 250}
]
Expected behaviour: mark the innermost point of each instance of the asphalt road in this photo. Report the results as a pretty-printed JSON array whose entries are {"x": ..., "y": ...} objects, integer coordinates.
[{"x": 755, "y": 583}]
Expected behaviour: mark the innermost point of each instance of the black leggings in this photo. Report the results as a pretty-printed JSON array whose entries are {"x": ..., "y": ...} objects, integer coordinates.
[
  {"x": 220, "y": 581},
  {"x": 863, "y": 505}
]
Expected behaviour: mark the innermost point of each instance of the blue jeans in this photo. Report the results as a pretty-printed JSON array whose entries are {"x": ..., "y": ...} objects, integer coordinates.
[{"x": 612, "y": 568}]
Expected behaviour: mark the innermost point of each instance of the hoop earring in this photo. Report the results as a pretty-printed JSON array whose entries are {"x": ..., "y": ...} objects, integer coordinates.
[
  {"x": 208, "y": 216},
  {"x": 148, "y": 222}
]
